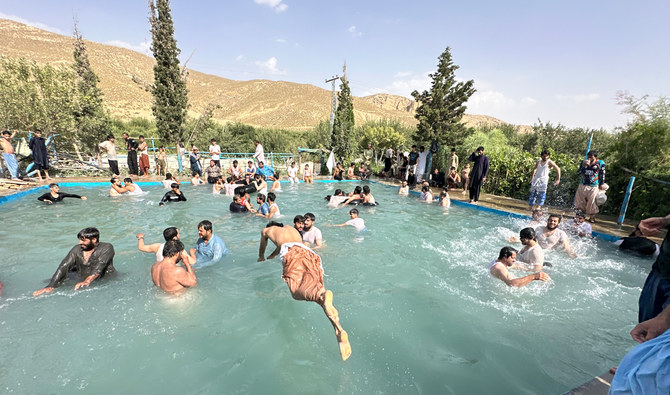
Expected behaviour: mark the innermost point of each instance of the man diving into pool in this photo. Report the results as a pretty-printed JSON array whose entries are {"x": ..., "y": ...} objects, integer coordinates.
[
  {"x": 90, "y": 258},
  {"x": 303, "y": 273}
]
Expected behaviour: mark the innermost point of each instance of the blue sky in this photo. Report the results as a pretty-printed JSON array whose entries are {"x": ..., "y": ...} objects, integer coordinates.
[{"x": 561, "y": 62}]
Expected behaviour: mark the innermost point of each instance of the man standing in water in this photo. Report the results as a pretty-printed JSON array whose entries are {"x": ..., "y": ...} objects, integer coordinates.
[
  {"x": 167, "y": 275},
  {"x": 303, "y": 273},
  {"x": 480, "y": 170},
  {"x": 499, "y": 269},
  {"x": 90, "y": 258},
  {"x": 209, "y": 249},
  {"x": 170, "y": 233}
]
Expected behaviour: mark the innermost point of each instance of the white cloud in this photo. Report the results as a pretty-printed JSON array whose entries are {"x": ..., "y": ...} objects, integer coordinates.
[
  {"x": 143, "y": 47},
  {"x": 280, "y": 40},
  {"x": 494, "y": 102},
  {"x": 239, "y": 57},
  {"x": 277, "y": 5},
  {"x": 354, "y": 32},
  {"x": 402, "y": 74},
  {"x": 269, "y": 66},
  {"x": 38, "y": 25},
  {"x": 579, "y": 98}
]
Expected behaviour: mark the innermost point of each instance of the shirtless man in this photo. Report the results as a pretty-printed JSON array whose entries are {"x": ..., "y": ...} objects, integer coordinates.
[
  {"x": 8, "y": 153},
  {"x": 404, "y": 189},
  {"x": 499, "y": 269},
  {"x": 167, "y": 275},
  {"x": 550, "y": 237},
  {"x": 303, "y": 273},
  {"x": 170, "y": 233},
  {"x": 116, "y": 182},
  {"x": 531, "y": 254},
  {"x": 90, "y": 258}
]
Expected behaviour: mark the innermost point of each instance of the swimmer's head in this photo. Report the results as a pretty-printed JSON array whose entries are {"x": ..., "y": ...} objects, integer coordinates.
[
  {"x": 205, "y": 229},
  {"x": 128, "y": 180},
  {"x": 174, "y": 185},
  {"x": 353, "y": 213},
  {"x": 171, "y": 233},
  {"x": 86, "y": 238},
  {"x": 274, "y": 223},
  {"x": 404, "y": 183},
  {"x": 444, "y": 194},
  {"x": 526, "y": 234},
  {"x": 358, "y": 190},
  {"x": 309, "y": 221},
  {"x": 172, "y": 248},
  {"x": 53, "y": 186},
  {"x": 537, "y": 214},
  {"x": 553, "y": 221},
  {"x": 507, "y": 255},
  {"x": 425, "y": 188},
  {"x": 366, "y": 190},
  {"x": 114, "y": 180},
  {"x": 260, "y": 198},
  {"x": 168, "y": 176},
  {"x": 309, "y": 216},
  {"x": 272, "y": 197},
  {"x": 236, "y": 199}
]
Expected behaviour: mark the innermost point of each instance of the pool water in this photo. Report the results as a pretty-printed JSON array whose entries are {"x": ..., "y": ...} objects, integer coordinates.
[{"x": 413, "y": 292}]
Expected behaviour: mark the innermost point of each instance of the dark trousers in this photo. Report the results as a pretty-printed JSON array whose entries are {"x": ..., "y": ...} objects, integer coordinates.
[
  {"x": 475, "y": 189},
  {"x": 655, "y": 296},
  {"x": 132, "y": 163},
  {"x": 114, "y": 166}
]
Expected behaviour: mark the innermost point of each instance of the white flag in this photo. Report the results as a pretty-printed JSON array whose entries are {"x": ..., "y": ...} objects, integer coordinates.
[{"x": 330, "y": 163}]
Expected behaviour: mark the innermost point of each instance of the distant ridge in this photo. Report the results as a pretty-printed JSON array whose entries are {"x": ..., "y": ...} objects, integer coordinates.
[{"x": 263, "y": 103}]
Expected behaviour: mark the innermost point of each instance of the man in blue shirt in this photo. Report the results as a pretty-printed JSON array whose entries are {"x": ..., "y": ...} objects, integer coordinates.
[
  {"x": 264, "y": 208},
  {"x": 209, "y": 249},
  {"x": 266, "y": 171}
]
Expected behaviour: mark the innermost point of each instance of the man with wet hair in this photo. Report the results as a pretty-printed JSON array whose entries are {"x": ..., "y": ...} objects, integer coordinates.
[
  {"x": 531, "y": 254},
  {"x": 209, "y": 249},
  {"x": 263, "y": 208},
  {"x": 579, "y": 226},
  {"x": 90, "y": 258},
  {"x": 312, "y": 234},
  {"x": 173, "y": 195},
  {"x": 299, "y": 224},
  {"x": 499, "y": 269},
  {"x": 170, "y": 233},
  {"x": 550, "y": 237},
  {"x": 167, "y": 275},
  {"x": 303, "y": 273},
  {"x": 355, "y": 221},
  {"x": 55, "y": 195},
  {"x": 128, "y": 187}
]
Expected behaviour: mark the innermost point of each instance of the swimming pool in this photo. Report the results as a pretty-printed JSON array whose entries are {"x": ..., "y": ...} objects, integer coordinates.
[{"x": 413, "y": 292}]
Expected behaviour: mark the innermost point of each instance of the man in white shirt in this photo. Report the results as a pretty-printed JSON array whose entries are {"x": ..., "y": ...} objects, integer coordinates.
[
  {"x": 579, "y": 226},
  {"x": 356, "y": 222},
  {"x": 421, "y": 163},
  {"x": 215, "y": 150},
  {"x": 312, "y": 235},
  {"x": 110, "y": 149},
  {"x": 259, "y": 156},
  {"x": 293, "y": 173}
]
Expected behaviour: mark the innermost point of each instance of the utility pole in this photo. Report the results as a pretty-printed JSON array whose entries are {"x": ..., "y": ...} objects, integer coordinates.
[{"x": 333, "y": 106}]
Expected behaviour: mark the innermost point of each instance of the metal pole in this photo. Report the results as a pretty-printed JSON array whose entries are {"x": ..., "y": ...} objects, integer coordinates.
[
  {"x": 588, "y": 148},
  {"x": 333, "y": 105},
  {"x": 626, "y": 198}
]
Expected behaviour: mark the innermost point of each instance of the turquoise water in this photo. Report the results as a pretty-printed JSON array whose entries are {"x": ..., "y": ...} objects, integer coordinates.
[{"x": 413, "y": 292}]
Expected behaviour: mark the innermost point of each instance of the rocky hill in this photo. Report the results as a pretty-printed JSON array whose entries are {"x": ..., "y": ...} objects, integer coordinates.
[{"x": 124, "y": 74}]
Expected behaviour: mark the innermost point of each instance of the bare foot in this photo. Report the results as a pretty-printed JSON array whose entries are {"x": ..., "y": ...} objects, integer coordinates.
[{"x": 345, "y": 347}]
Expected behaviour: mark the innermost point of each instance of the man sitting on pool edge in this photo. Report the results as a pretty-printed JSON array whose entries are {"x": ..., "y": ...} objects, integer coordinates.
[
  {"x": 499, "y": 269},
  {"x": 90, "y": 258},
  {"x": 303, "y": 273},
  {"x": 169, "y": 277}
]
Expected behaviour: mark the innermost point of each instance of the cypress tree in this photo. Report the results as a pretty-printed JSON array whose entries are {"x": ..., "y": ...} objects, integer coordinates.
[
  {"x": 169, "y": 87},
  {"x": 442, "y": 107},
  {"x": 343, "y": 126},
  {"x": 92, "y": 123}
]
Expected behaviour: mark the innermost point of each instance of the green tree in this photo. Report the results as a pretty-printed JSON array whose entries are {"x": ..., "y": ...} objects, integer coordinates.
[
  {"x": 169, "y": 87},
  {"x": 92, "y": 123},
  {"x": 381, "y": 137},
  {"x": 343, "y": 138},
  {"x": 442, "y": 107}
]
